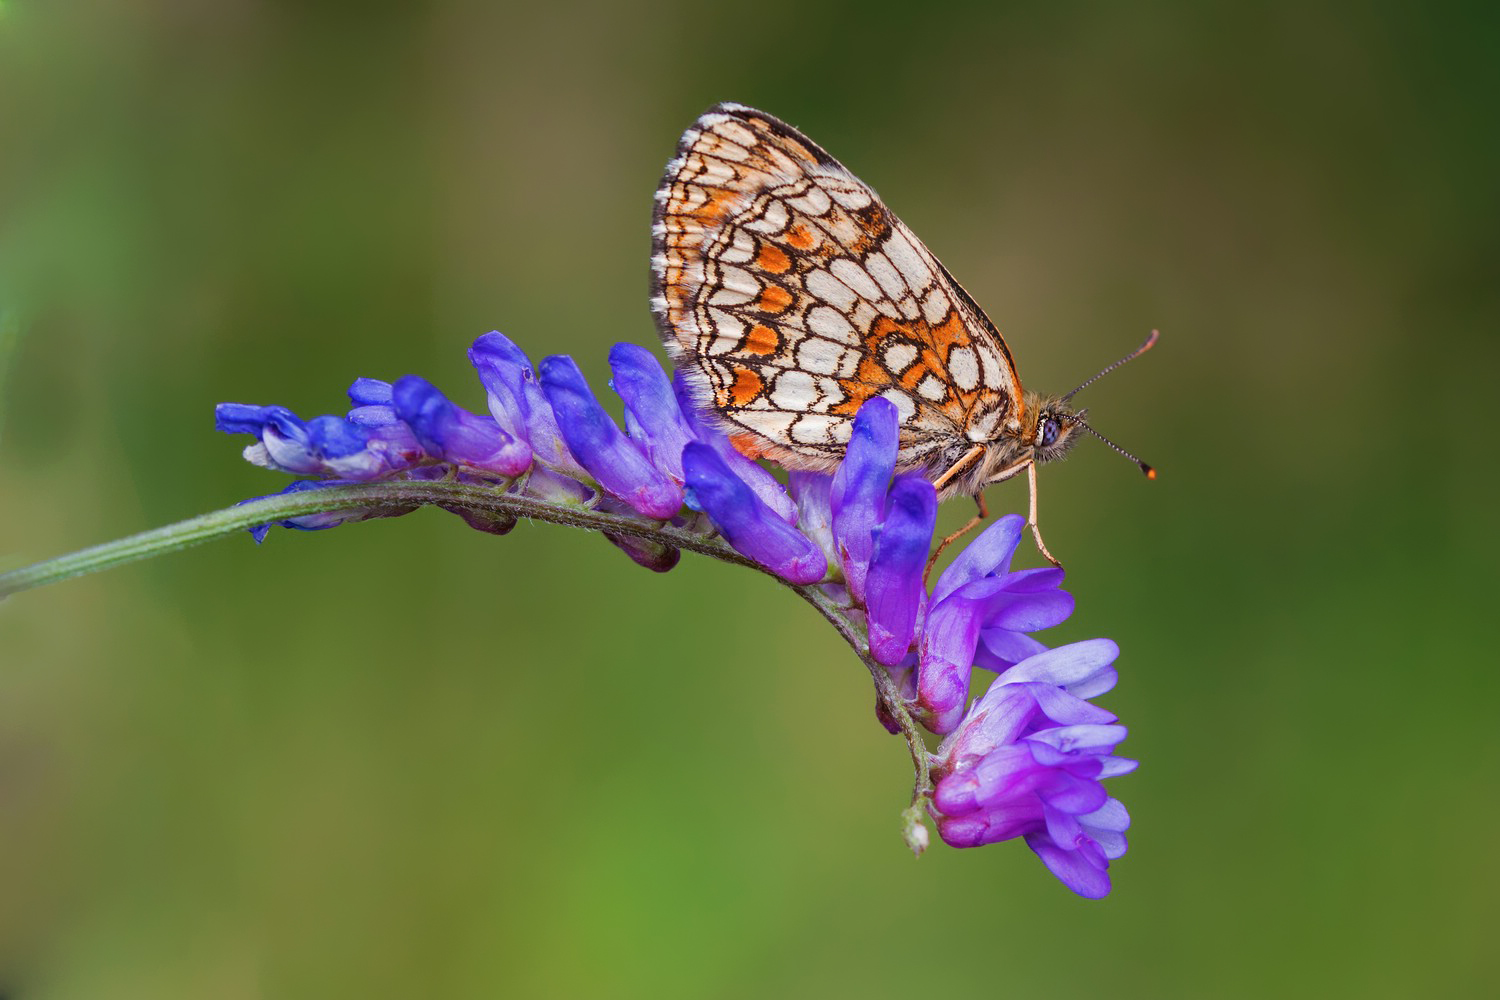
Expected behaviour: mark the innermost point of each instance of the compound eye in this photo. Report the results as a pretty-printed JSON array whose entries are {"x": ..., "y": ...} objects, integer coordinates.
[{"x": 1047, "y": 433}]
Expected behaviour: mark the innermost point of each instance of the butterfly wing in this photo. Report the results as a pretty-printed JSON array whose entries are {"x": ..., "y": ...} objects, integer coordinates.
[{"x": 788, "y": 294}]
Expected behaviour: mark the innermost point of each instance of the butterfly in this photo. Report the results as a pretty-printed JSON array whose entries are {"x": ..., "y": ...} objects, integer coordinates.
[{"x": 788, "y": 295}]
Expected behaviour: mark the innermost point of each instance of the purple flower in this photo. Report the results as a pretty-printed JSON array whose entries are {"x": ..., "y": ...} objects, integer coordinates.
[
  {"x": 652, "y": 416},
  {"x": 814, "y": 517},
  {"x": 894, "y": 589},
  {"x": 978, "y": 600},
  {"x": 859, "y": 488},
  {"x": 659, "y": 557},
  {"x": 1027, "y": 761},
  {"x": 614, "y": 460},
  {"x": 463, "y": 438},
  {"x": 518, "y": 404},
  {"x": 753, "y": 528},
  {"x": 324, "y": 446}
]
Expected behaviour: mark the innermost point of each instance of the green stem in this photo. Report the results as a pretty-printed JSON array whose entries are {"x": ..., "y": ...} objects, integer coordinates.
[{"x": 282, "y": 506}]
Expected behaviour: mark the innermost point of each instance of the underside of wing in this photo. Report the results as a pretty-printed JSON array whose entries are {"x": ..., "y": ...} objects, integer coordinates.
[{"x": 788, "y": 295}]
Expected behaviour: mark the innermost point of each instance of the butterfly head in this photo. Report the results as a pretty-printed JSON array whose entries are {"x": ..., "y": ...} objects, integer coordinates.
[
  {"x": 1044, "y": 432},
  {"x": 1054, "y": 431}
]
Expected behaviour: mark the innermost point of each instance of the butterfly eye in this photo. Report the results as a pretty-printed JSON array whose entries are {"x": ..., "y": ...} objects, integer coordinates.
[{"x": 1047, "y": 432}]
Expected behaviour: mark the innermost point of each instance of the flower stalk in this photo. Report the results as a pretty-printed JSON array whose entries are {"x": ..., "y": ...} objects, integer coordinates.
[{"x": 403, "y": 495}]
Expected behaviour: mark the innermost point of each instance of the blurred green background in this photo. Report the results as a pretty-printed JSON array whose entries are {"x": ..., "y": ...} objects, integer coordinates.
[{"x": 407, "y": 759}]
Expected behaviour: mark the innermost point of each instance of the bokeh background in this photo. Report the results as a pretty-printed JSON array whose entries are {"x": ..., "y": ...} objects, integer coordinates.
[{"x": 406, "y": 759}]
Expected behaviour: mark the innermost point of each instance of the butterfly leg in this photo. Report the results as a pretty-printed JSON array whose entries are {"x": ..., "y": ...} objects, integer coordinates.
[
  {"x": 984, "y": 512},
  {"x": 969, "y": 458},
  {"x": 1036, "y": 530}
]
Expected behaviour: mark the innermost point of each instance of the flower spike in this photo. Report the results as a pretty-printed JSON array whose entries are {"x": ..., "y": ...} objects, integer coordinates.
[{"x": 1025, "y": 760}]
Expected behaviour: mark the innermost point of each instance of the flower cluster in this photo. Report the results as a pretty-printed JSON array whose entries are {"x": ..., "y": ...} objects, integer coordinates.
[
  {"x": 1027, "y": 759},
  {"x": 1024, "y": 760}
]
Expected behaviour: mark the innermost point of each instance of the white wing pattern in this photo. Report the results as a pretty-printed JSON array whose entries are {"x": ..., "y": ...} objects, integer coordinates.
[{"x": 788, "y": 294}]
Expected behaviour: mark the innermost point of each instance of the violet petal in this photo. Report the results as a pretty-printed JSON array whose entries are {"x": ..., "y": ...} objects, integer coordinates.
[
  {"x": 1072, "y": 868},
  {"x": 610, "y": 457},
  {"x": 652, "y": 416},
  {"x": 894, "y": 586},
  {"x": 987, "y": 555},
  {"x": 1067, "y": 666},
  {"x": 454, "y": 434},
  {"x": 517, "y": 402},
  {"x": 754, "y": 529},
  {"x": 858, "y": 493}
]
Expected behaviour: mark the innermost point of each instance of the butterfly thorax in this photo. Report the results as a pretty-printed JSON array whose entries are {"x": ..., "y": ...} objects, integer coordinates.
[{"x": 1042, "y": 432}]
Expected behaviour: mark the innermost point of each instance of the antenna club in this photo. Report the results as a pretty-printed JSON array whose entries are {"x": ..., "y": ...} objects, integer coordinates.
[{"x": 1148, "y": 470}]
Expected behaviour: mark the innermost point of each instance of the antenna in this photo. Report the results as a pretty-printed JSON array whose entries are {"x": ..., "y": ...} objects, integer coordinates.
[
  {"x": 1150, "y": 343},
  {"x": 1148, "y": 470}
]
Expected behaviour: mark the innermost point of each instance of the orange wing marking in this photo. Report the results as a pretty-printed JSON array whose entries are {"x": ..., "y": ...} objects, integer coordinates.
[
  {"x": 747, "y": 385},
  {"x": 762, "y": 340},
  {"x": 774, "y": 299},
  {"x": 773, "y": 259}
]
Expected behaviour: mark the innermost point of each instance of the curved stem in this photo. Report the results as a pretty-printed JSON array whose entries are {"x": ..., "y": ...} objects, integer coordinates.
[{"x": 268, "y": 510}]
